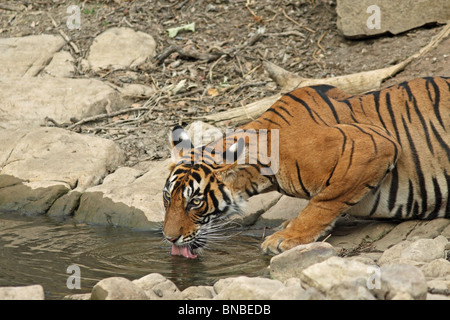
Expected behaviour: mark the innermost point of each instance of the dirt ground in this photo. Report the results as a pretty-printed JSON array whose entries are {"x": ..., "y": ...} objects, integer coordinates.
[{"x": 300, "y": 36}]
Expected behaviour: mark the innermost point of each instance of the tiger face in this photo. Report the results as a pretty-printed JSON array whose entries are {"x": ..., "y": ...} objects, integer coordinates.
[{"x": 196, "y": 198}]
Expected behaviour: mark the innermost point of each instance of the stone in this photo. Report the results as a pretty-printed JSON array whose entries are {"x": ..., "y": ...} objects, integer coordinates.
[
  {"x": 415, "y": 252},
  {"x": 439, "y": 285},
  {"x": 436, "y": 268},
  {"x": 33, "y": 292},
  {"x": 401, "y": 282},
  {"x": 127, "y": 198},
  {"x": 117, "y": 288},
  {"x": 158, "y": 287},
  {"x": 118, "y": 48},
  {"x": 333, "y": 272},
  {"x": 198, "y": 293},
  {"x": 358, "y": 19},
  {"x": 292, "y": 262},
  {"x": 27, "y": 56},
  {"x": 428, "y": 229},
  {"x": 396, "y": 235},
  {"x": 27, "y": 102},
  {"x": 285, "y": 209},
  {"x": 349, "y": 290},
  {"x": 246, "y": 288},
  {"x": 45, "y": 164},
  {"x": 62, "y": 65},
  {"x": 255, "y": 207}
]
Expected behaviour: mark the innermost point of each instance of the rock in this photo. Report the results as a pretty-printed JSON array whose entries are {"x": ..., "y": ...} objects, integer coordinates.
[
  {"x": 118, "y": 48},
  {"x": 446, "y": 232},
  {"x": 78, "y": 296},
  {"x": 350, "y": 233},
  {"x": 255, "y": 206},
  {"x": 44, "y": 164},
  {"x": 33, "y": 292},
  {"x": 436, "y": 268},
  {"x": 401, "y": 282},
  {"x": 62, "y": 65},
  {"x": 293, "y": 290},
  {"x": 285, "y": 209},
  {"x": 292, "y": 262},
  {"x": 117, "y": 288},
  {"x": 414, "y": 252},
  {"x": 359, "y": 18},
  {"x": 198, "y": 293},
  {"x": 27, "y": 56},
  {"x": 428, "y": 229},
  {"x": 26, "y": 102},
  {"x": 246, "y": 288},
  {"x": 431, "y": 296},
  {"x": 396, "y": 235},
  {"x": 439, "y": 285},
  {"x": 158, "y": 287},
  {"x": 127, "y": 198},
  {"x": 333, "y": 272},
  {"x": 349, "y": 290}
]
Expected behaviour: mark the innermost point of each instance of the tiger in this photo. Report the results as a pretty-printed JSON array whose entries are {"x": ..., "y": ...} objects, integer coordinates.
[{"x": 379, "y": 154}]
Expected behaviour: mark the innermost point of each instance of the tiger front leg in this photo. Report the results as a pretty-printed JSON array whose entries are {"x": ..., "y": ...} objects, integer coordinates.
[{"x": 358, "y": 170}]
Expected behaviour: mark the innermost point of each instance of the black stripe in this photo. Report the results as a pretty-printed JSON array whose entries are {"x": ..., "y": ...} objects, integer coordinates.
[
  {"x": 420, "y": 176},
  {"x": 393, "y": 189},
  {"x": 395, "y": 146},
  {"x": 371, "y": 136},
  {"x": 441, "y": 141},
  {"x": 285, "y": 110},
  {"x": 327, "y": 183},
  {"x": 278, "y": 114},
  {"x": 438, "y": 199},
  {"x": 398, "y": 213},
  {"x": 197, "y": 176},
  {"x": 305, "y": 191},
  {"x": 375, "y": 205},
  {"x": 391, "y": 113},
  {"x": 349, "y": 105},
  {"x": 424, "y": 125},
  {"x": 213, "y": 198},
  {"x": 447, "y": 207},
  {"x": 268, "y": 120},
  {"x": 345, "y": 139},
  {"x": 351, "y": 155},
  {"x": 306, "y": 106},
  {"x": 409, "y": 201},
  {"x": 376, "y": 100},
  {"x": 327, "y": 100},
  {"x": 437, "y": 98},
  {"x": 224, "y": 195}
]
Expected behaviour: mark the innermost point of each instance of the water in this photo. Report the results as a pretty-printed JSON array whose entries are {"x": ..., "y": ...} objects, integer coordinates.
[{"x": 39, "y": 250}]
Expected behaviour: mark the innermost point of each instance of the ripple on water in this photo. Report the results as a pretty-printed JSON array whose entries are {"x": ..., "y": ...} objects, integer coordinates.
[{"x": 38, "y": 251}]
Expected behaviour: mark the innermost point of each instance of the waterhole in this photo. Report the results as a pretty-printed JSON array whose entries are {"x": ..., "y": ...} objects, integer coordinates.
[{"x": 38, "y": 250}]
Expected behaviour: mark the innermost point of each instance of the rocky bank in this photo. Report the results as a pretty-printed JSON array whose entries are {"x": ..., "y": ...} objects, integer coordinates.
[{"x": 57, "y": 172}]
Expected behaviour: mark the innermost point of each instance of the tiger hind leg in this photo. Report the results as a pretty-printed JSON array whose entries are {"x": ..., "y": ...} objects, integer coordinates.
[{"x": 368, "y": 155}]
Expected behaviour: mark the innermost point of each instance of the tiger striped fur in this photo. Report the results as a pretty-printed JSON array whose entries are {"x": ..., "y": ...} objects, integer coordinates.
[{"x": 382, "y": 154}]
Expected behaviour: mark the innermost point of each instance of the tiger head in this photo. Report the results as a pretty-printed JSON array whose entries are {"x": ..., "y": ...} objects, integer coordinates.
[{"x": 197, "y": 195}]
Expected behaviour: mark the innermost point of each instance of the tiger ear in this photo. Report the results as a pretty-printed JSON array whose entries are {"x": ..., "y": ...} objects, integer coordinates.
[
  {"x": 180, "y": 142},
  {"x": 232, "y": 157}
]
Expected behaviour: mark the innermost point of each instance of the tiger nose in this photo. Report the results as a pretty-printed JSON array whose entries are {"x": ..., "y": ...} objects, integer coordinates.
[{"x": 173, "y": 239}]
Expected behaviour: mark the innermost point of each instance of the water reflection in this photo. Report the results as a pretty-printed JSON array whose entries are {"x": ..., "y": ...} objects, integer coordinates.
[{"x": 38, "y": 251}]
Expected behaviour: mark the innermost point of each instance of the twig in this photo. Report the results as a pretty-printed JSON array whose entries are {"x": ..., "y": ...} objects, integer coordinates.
[
  {"x": 105, "y": 116},
  {"x": 302, "y": 26},
  {"x": 186, "y": 53}
]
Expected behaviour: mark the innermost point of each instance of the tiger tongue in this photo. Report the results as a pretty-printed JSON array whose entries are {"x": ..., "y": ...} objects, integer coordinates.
[{"x": 182, "y": 251}]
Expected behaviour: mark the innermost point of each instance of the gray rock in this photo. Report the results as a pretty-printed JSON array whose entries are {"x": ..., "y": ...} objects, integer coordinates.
[
  {"x": 401, "y": 282},
  {"x": 26, "y": 102},
  {"x": 27, "y": 56},
  {"x": 158, "y": 287},
  {"x": 416, "y": 252},
  {"x": 118, "y": 48},
  {"x": 126, "y": 198},
  {"x": 285, "y": 209},
  {"x": 439, "y": 286},
  {"x": 33, "y": 292},
  {"x": 395, "y": 16},
  {"x": 40, "y": 167},
  {"x": 396, "y": 235},
  {"x": 350, "y": 290},
  {"x": 198, "y": 293},
  {"x": 62, "y": 65},
  {"x": 428, "y": 229},
  {"x": 117, "y": 288},
  {"x": 335, "y": 271},
  {"x": 292, "y": 262},
  {"x": 436, "y": 269},
  {"x": 246, "y": 288}
]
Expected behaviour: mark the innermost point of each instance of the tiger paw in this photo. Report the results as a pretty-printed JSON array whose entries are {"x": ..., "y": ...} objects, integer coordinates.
[{"x": 281, "y": 241}]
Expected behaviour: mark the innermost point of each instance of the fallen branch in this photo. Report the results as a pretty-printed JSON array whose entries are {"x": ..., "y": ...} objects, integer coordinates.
[
  {"x": 353, "y": 84},
  {"x": 189, "y": 53}
]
